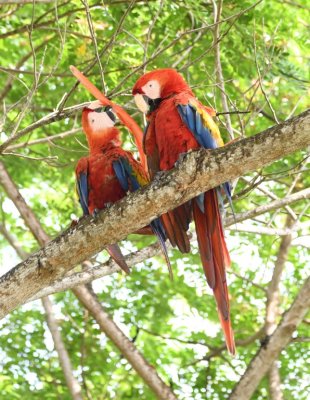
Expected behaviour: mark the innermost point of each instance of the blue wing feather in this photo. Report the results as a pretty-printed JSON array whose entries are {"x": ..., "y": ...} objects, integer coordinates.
[
  {"x": 82, "y": 188},
  {"x": 121, "y": 174},
  {"x": 193, "y": 120},
  {"x": 128, "y": 179},
  {"x": 125, "y": 174}
]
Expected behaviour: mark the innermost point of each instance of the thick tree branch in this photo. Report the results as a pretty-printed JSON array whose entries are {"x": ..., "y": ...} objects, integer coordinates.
[
  {"x": 200, "y": 171},
  {"x": 127, "y": 348},
  {"x": 269, "y": 352},
  {"x": 91, "y": 273}
]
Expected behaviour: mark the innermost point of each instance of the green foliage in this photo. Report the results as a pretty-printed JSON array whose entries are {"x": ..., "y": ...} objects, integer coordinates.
[{"x": 175, "y": 324}]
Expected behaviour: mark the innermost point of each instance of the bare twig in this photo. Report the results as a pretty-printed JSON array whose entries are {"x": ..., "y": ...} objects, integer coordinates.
[
  {"x": 272, "y": 309},
  {"x": 217, "y": 10},
  {"x": 94, "y": 40},
  {"x": 127, "y": 348},
  {"x": 48, "y": 139},
  {"x": 63, "y": 355},
  {"x": 270, "y": 351}
]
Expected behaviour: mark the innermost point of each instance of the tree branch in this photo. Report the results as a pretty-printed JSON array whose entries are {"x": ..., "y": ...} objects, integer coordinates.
[
  {"x": 273, "y": 205},
  {"x": 127, "y": 348},
  {"x": 63, "y": 356},
  {"x": 269, "y": 352},
  {"x": 201, "y": 170},
  {"x": 217, "y": 10},
  {"x": 272, "y": 309},
  {"x": 95, "y": 272}
]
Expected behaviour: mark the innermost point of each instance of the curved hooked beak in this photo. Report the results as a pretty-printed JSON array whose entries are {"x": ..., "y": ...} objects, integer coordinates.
[
  {"x": 142, "y": 102},
  {"x": 108, "y": 110}
]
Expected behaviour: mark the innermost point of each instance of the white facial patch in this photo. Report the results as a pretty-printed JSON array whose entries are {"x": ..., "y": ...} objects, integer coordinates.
[
  {"x": 141, "y": 103},
  {"x": 152, "y": 89},
  {"x": 99, "y": 120},
  {"x": 94, "y": 104}
]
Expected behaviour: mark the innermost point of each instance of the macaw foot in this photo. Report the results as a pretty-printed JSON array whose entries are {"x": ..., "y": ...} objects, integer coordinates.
[
  {"x": 181, "y": 158},
  {"x": 95, "y": 213},
  {"x": 74, "y": 222},
  {"x": 108, "y": 205},
  {"x": 232, "y": 141},
  {"x": 159, "y": 175}
]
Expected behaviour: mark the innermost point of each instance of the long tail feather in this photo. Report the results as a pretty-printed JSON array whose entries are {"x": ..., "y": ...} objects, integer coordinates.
[
  {"x": 215, "y": 258},
  {"x": 116, "y": 253},
  {"x": 204, "y": 244},
  {"x": 157, "y": 229},
  {"x": 176, "y": 224}
]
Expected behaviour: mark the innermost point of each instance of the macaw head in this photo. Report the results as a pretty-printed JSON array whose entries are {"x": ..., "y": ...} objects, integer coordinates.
[
  {"x": 98, "y": 123},
  {"x": 156, "y": 85}
]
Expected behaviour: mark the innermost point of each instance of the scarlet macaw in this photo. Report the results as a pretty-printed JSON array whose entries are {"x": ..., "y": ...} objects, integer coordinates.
[
  {"x": 177, "y": 123},
  {"x": 109, "y": 172}
]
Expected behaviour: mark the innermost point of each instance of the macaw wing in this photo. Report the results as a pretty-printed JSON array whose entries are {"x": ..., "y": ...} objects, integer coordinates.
[
  {"x": 202, "y": 126},
  {"x": 82, "y": 188},
  {"x": 131, "y": 178},
  {"x": 128, "y": 174}
]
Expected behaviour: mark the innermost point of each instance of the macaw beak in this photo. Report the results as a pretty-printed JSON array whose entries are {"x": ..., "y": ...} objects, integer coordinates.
[
  {"x": 108, "y": 110},
  {"x": 142, "y": 103}
]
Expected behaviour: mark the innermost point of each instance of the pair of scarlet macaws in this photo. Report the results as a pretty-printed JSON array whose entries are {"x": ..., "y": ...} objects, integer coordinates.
[{"x": 177, "y": 123}]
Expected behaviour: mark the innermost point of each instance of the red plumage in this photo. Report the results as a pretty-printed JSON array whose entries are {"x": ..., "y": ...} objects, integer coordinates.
[
  {"x": 103, "y": 187},
  {"x": 166, "y": 137}
]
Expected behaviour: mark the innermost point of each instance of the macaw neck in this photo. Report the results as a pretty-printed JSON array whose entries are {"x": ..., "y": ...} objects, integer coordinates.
[
  {"x": 99, "y": 140},
  {"x": 160, "y": 103}
]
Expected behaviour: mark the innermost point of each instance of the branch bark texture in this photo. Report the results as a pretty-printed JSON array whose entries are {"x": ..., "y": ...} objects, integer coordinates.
[
  {"x": 91, "y": 273},
  {"x": 268, "y": 353},
  {"x": 200, "y": 171}
]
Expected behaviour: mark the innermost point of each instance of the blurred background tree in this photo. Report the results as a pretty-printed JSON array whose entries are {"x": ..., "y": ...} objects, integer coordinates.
[{"x": 237, "y": 56}]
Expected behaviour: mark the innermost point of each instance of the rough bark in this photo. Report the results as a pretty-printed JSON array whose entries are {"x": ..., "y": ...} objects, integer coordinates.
[
  {"x": 127, "y": 348},
  {"x": 91, "y": 273},
  {"x": 64, "y": 360},
  {"x": 270, "y": 351},
  {"x": 199, "y": 171},
  {"x": 272, "y": 309}
]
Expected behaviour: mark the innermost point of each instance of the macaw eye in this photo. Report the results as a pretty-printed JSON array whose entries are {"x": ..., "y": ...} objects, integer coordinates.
[
  {"x": 92, "y": 121},
  {"x": 150, "y": 85}
]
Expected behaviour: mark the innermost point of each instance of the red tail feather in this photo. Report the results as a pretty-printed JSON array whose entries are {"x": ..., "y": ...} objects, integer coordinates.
[
  {"x": 174, "y": 225},
  {"x": 116, "y": 253},
  {"x": 215, "y": 258}
]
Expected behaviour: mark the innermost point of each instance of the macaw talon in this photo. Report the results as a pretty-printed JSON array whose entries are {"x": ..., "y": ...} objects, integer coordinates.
[
  {"x": 181, "y": 158},
  {"x": 158, "y": 175},
  {"x": 108, "y": 205},
  {"x": 74, "y": 222},
  {"x": 95, "y": 213},
  {"x": 232, "y": 141}
]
